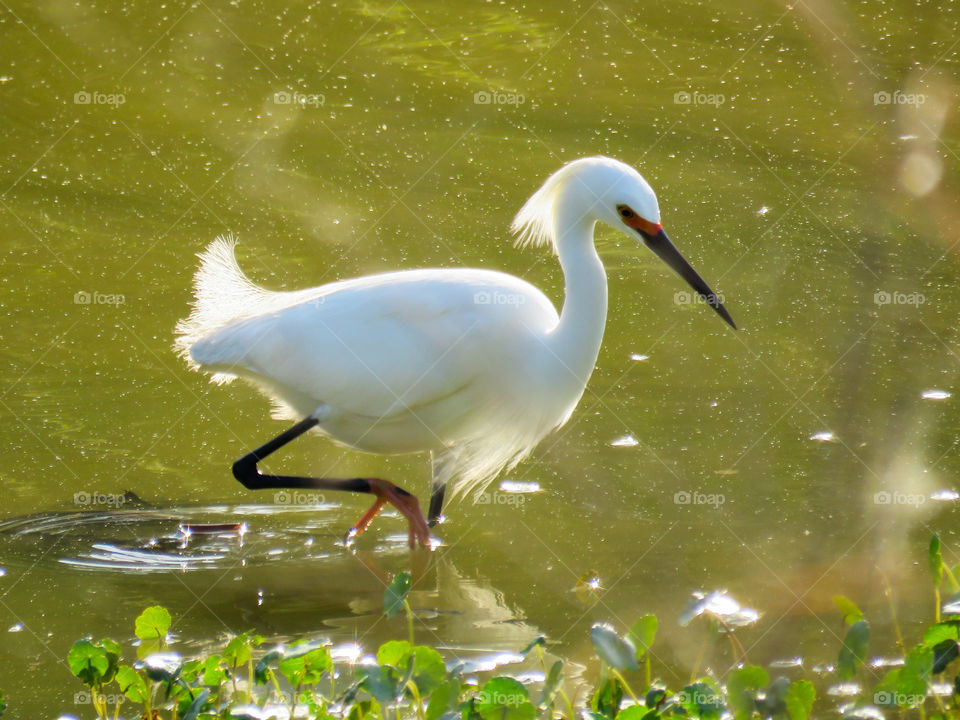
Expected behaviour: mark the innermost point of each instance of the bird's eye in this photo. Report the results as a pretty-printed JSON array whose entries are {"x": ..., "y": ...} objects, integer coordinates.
[{"x": 625, "y": 212}]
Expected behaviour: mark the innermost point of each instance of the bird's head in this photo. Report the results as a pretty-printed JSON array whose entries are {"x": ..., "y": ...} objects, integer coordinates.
[{"x": 602, "y": 189}]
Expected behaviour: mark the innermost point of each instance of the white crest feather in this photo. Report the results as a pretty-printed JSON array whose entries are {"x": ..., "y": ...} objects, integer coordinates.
[
  {"x": 222, "y": 292},
  {"x": 533, "y": 225}
]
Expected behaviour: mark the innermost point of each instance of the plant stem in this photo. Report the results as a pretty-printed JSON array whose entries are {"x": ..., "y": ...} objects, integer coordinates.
[
  {"x": 888, "y": 591},
  {"x": 619, "y": 677},
  {"x": 293, "y": 700},
  {"x": 406, "y": 607},
  {"x": 696, "y": 665}
]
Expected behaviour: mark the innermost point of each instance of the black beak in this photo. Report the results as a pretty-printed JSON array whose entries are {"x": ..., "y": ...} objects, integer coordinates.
[{"x": 667, "y": 251}]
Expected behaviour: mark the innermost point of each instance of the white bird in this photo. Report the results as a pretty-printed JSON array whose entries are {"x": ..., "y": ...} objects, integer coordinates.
[{"x": 473, "y": 366}]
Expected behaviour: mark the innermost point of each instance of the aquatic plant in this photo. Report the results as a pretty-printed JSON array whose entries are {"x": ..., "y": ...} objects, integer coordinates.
[{"x": 246, "y": 681}]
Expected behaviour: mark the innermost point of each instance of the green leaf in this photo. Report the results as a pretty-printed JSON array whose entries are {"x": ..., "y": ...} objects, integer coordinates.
[
  {"x": 538, "y": 641},
  {"x": 742, "y": 688},
  {"x": 848, "y": 608},
  {"x": 617, "y": 652},
  {"x": 914, "y": 676},
  {"x": 396, "y": 593},
  {"x": 114, "y": 652},
  {"x": 607, "y": 698},
  {"x": 307, "y": 668},
  {"x": 395, "y": 653},
  {"x": 261, "y": 673},
  {"x": 364, "y": 710},
  {"x": 190, "y": 672},
  {"x": 642, "y": 634},
  {"x": 885, "y": 693},
  {"x": 504, "y": 698},
  {"x": 700, "y": 700},
  {"x": 936, "y": 634},
  {"x": 213, "y": 672},
  {"x": 132, "y": 684},
  {"x": 196, "y": 705},
  {"x": 905, "y": 686},
  {"x": 238, "y": 651},
  {"x": 444, "y": 698},
  {"x": 854, "y": 650},
  {"x": 88, "y": 662},
  {"x": 153, "y": 623},
  {"x": 551, "y": 685},
  {"x": 936, "y": 560},
  {"x": 654, "y": 697},
  {"x": 799, "y": 700},
  {"x": 944, "y": 653},
  {"x": 429, "y": 669},
  {"x": 633, "y": 712},
  {"x": 380, "y": 682}
]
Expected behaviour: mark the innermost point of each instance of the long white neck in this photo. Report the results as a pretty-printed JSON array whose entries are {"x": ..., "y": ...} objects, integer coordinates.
[{"x": 576, "y": 340}]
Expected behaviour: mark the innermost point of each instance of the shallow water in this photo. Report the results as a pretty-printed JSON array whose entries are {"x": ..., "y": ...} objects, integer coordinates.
[{"x": 790, "y": 461}]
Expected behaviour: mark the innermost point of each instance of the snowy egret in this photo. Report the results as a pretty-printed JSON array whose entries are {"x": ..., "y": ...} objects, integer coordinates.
[{"x": 473, "y": 366}]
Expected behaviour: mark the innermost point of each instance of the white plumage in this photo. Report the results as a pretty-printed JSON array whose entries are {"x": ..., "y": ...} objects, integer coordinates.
[{"x": 474, "y": 366}]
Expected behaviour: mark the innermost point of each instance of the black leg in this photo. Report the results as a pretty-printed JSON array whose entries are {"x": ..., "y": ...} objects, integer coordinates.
[
  {"x": 246, "y": 471},
  {"x": 436, "y": 503}
]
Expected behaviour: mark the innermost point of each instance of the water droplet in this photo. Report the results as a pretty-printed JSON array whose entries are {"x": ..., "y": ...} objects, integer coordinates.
[
  {"x": 935, "y": 395},
  {"x": 515, "y": 486},
  {"x": 625, "y": 441},
  {"x": 945, "y": 494},
  {"x": 637, "y": 357},
  {"x": 763, "y": 211},
  {"x": 15, "y": 628},
  {"x": 847, "y": 689},
  {"x": 823, "y": 436}
]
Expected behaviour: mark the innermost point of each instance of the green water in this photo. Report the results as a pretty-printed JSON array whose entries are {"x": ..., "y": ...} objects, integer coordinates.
[{"x": 794, "y": 190}]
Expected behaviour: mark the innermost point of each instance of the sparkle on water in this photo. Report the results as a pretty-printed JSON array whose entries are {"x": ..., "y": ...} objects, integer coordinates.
[
  {"x": 103, "y": 200},
  {"x": 519, "y": 486}
]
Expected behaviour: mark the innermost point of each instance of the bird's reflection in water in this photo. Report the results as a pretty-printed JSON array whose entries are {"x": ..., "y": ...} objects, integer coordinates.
[{"x": 281, "y": 572}]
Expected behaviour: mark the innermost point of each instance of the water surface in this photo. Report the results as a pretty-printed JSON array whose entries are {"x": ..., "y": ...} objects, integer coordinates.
[{"x": 796, "y": 167}]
